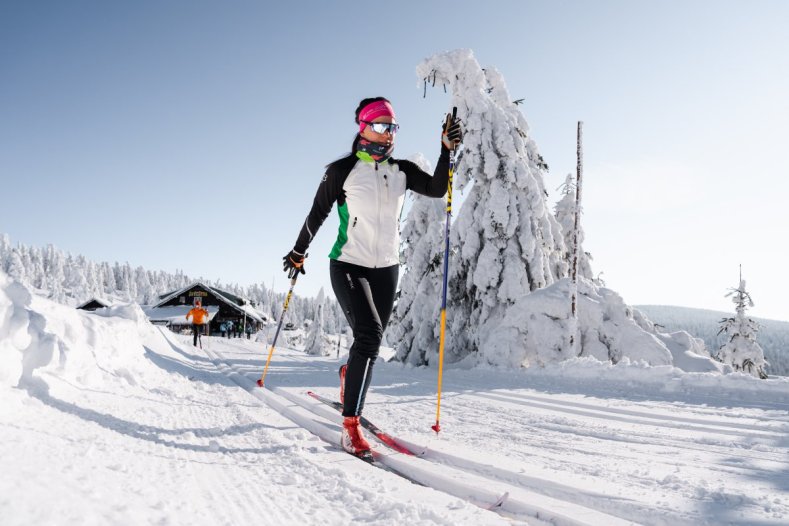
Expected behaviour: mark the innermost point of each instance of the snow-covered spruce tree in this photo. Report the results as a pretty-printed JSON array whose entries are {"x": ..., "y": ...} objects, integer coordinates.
[
  {"x": 414, "y": 327},
  {"x": 506, "y": 243},
  {"x": 741, "y": 350},
  {"x": 315, "y": 344},
  {"x": 16, "y": 268},
  {"x": 329, "y": 317},
  {"x": 5, "y": 251},
  {"x": 565, "y": 216}
]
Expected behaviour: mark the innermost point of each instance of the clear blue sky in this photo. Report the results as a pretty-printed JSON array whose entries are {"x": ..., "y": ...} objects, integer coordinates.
[{"x": 192, "y": 134}]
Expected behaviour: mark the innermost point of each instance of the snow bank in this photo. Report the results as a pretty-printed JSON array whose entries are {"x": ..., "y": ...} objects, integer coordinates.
[
  {"x": 591, "y": 376},
  {"x": 535, "y": 331},
  {"x": 40, "y": 337}
]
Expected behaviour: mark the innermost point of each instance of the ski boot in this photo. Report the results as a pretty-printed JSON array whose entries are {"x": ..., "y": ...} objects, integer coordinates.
[{"x": 353, "y": 441}]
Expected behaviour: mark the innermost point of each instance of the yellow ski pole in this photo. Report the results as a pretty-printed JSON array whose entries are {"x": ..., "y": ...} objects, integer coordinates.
[
  {"x": 441, "y": 340},
  {"x": 262, "y": 378}
]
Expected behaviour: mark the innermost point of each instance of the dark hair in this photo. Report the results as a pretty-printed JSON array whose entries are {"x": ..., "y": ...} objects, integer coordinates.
[{"x": 359, "y": 108}]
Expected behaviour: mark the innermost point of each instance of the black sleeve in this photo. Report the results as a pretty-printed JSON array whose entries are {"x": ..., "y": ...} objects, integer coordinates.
[
  {"x": 329, "y": 191},
  {"x": 421, "y": 182}
]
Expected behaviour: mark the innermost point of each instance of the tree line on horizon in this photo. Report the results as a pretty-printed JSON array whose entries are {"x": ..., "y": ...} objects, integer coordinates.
[{"x": 73, "y": 279}]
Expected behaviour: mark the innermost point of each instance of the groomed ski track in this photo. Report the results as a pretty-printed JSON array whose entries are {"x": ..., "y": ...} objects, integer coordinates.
[
  {"x": 456, "y": 476},
  {"x": 476, "y": 473},
  {"x": 458, "y": 480}
]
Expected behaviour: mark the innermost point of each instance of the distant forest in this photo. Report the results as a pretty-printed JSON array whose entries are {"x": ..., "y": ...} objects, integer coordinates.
[{"x": 72, "y": 279}]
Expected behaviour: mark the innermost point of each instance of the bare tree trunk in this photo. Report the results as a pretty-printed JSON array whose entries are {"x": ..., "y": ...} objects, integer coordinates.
[{"x": 574, "y": 346}]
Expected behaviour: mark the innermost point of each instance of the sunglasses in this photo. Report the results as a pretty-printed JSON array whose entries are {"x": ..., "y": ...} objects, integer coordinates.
[{"x": 383, "y": 127}]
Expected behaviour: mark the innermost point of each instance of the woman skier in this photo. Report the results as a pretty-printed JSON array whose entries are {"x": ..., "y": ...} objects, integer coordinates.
[{"x": 369, "y": 188}]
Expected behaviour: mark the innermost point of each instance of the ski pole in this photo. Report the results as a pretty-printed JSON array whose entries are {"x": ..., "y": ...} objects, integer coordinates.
[
  {"x": 279, "y": 326},
  {"x": 441, "y": 340}
]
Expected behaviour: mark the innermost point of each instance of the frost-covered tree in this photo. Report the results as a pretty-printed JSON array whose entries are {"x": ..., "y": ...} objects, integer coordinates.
[
  {"x": 741, "y": 350},
  {"x": 108, "y": 282},
  {"x": 146, "y": 293},
  {"x": 316, "y": 344},
  {"x": 565, "y": 216},
  {"x": 16, "y": 268},
  {"x": 506, "y": 243},
  {"x": 38, "y": 276},
  {"x": 76, "y": 281},
  {"x": 329, "y": 317},
  {"x": 5, "y": 251}
]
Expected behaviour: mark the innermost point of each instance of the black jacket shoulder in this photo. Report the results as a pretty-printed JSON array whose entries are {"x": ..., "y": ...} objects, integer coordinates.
[{"x": 342, "y": 166}]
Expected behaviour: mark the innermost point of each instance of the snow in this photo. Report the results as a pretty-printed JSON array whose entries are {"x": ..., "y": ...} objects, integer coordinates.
[{"x": 106, "y": 419}]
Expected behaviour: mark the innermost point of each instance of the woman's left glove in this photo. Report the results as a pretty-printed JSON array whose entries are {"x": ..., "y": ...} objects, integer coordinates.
[
  {"x": 451, "y": 133},
  {"x": 293, "y": 264}
]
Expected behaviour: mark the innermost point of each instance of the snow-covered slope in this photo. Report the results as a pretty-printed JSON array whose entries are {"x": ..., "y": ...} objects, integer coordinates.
[
  {"x": 108, "y": 420},
  {"x": 118, "y": 422}
]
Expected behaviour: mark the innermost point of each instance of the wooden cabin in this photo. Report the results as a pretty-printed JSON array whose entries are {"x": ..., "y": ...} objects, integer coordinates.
[
  {"x": 221, "y": 306},
  {"x": 93, "y": 304}
]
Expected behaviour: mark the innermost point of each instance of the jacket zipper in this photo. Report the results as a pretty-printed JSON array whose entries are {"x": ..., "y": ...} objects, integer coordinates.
[{"x": 378, "y": 215}]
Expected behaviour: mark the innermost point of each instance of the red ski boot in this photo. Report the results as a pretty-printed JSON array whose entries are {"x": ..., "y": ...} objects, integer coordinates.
[
  {"x": 343, "y": 370},
  {"x": 352, "y": 439}
]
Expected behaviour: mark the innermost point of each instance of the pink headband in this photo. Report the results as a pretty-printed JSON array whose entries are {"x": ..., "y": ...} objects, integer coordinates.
[{"x": 379, "y": 108}]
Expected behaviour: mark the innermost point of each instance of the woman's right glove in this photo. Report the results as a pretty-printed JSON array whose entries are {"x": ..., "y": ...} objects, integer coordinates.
[
  {"x": 293, "y": 264},
  {"x": 451, "y": 133}
]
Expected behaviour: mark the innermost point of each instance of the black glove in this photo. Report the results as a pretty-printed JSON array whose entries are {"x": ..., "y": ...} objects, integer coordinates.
[
  {"x": 293, "y": 263},
  {"x": 451, "y": 133}
]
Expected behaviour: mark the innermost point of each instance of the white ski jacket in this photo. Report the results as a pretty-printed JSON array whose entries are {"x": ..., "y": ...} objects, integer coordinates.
[{"x": 369, "y": 198}]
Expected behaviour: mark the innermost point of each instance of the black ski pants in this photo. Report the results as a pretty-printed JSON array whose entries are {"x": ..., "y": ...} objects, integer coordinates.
[
  {"x": 366, "y": 296},
  {"x": 196, "y": 331}
]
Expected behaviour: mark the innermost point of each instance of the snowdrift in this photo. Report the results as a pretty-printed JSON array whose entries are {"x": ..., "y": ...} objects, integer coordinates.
[
  {"x": 40, "y": 337},
  {"x": 535, "y": 331}
]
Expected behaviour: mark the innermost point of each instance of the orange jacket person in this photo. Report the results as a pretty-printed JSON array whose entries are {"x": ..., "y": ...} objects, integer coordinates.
[{"x": 199, "y": 315}]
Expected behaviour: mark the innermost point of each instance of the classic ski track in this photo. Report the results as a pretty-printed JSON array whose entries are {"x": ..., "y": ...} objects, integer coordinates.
[
  {"x": 461, "y": 386},
  {"x": 496, "y": 473},
  {"x": 228, "y": 501},
  {"x": 545, "y": 444},
  {"x": 239, "y": 378},
  {"x": 634, "y": 417},
  {"x": 522, "y": 502},
  {"x": 647, "y": 429},
  {"x": 233, "y": 374},
  {"x": 639, "y": 437},
  {"x": 636, "y": 437},
  {"x": 569, "y": 406}
]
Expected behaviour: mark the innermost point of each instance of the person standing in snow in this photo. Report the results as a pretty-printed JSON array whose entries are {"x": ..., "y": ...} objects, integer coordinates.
[
  {"x": 369, "y": 187},
  {"x": 199, "y": 316}
]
